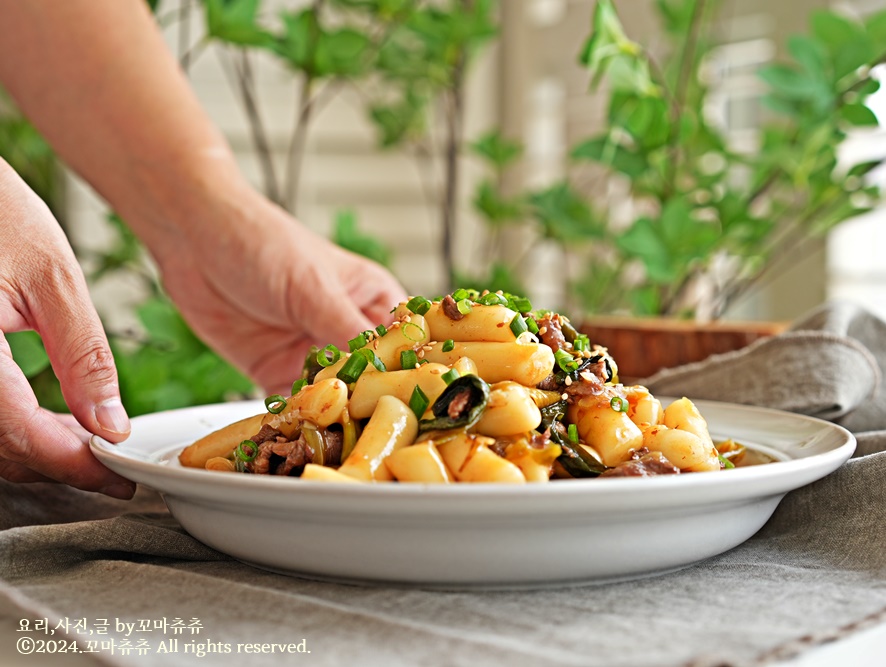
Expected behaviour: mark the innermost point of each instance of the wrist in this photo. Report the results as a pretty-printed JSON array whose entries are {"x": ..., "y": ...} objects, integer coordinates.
[{"x": 177, "y": 204}]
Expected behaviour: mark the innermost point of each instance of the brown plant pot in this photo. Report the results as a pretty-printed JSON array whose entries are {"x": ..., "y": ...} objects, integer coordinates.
[{"x": 643, "y": 346}]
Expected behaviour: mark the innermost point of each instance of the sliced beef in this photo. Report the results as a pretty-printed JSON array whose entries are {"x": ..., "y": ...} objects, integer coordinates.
[
  {"x": 551, "y": 332},
  {"x": 450, "y": 308},
  {"x": 647, "y": 464}
]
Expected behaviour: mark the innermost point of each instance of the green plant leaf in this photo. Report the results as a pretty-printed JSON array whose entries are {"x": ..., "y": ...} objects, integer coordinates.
[
  {"x": 809, "y": 53},
  {"x": 858, "y": 114},
  {"x": 846, "y": 40},
  {"x": 876, "y": 28},
  {"x": 28, "y": 352},
  {"x": 790, "y": 82},
  {"x": 497, "y": 150},
  {"x": 564, "y": 215},
  {"x": 643, "y": 241},
  {"x": 348, "y": 236},
  {"x": 166, "y": 328},
  {"x": 496, "y": 209},
  {"x": 609, "y": 51},
  {"x": 234, "y": 21},
  {"x": 611, "y": 154}
]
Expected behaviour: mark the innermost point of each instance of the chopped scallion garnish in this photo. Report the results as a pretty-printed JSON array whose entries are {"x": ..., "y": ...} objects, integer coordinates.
[
  {"x": 460, "y": 294},
  {"x": 275, "y": 404},
  {"x": 518, "y": 325},
  {"x": 726, "y": 463},
  {"x": 246, "y": 450},
  {"x": 381, "y": 329},
  {"x": 619, "y": 404},
  {"x": 448, "y": 345},
  {"x": 412, "y": 331},
  {"x": 298, "y": 385},
  {"x": 418, "y": 305},
  {"x": 464, "y": 306},
  {"x": 492, "y": 299},
  {"x": 328, "y": 356},
  {"x": 520, "y": 304},
  {"x": 450, "y": 375},
  {"x": 373, "y": 358},
  {"x": 353, "y": 368},
  {"x": 572, "y": 432},
  {"x": 408, "y": 359},
  {"x": 532, "y": 325},
  {"x": 419, "y": 402},
  {"x": 566, "y": 361},
  {"x": 357, "y": 342}
]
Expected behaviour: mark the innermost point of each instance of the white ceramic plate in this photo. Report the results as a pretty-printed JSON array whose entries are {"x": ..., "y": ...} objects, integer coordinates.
[{"x": 478, "y": 534}]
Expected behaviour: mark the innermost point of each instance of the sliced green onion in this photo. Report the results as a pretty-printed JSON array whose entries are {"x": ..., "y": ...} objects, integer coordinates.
[
  {"x": 518, "y": 325},
  {"x": 298, "y": 385},
  {"x": 418, "y": 305},
  {"x": 464, "y": 306},
  {"x": 246, "y": 450},
  {"x": 357, "y": 342},
  {"x": 618, "y": 404},
  {"x": 419, "y": 402},
  {"x": 450, "y": 375},
  {"x": 460, "y": 294},
  {"x": 448, "y": 345},
  {"x": 373, "y": 358},
  {"x": 520, "y": 304},
  {"x": 275, "y": 404},
  {"x": 407, "y": 328},
  {"x": 353, "y": 368},
  {"x": 572, "y": 432},
  {"x": 328, "y": 356},
  {"x": 422, "y": 362},
  {"x": 726, "y": 463},
  {"x": 492, "y": 299},
  {"x": 566, "y": 361},
  {"x": 408, "y": 359},
  {"x": 532, "y": 325},
  {"x": 381, "y": 329}
]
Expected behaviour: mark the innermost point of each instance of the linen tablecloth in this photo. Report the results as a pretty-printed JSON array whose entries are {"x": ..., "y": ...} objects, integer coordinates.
[{"x": 814, "y": 573}]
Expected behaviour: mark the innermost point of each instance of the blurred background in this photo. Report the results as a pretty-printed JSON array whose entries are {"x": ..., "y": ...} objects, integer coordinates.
[{"x": 698, "y": 159}]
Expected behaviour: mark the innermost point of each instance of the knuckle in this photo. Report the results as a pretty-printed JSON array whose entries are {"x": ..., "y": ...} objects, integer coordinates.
[
  {"x": 92, "y": 361},
  {"x": 16, "y": 444}
]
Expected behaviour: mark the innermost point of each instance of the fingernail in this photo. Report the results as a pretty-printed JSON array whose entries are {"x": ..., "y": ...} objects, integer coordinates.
[
  {"x": 122, "y": 491},
  {"x": 111, "y": 416}
]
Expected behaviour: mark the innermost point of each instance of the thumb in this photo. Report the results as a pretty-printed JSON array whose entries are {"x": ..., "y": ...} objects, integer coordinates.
[{"x": 81, "y": 357}]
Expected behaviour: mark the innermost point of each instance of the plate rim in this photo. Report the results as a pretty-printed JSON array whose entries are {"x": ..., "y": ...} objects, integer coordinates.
[{"x": 778, "y": 477}]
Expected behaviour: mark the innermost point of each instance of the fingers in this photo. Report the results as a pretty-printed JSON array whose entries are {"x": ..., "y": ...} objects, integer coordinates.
[
  {"x": 78, "y": 349},
  {"x": 34, "y": 446}
]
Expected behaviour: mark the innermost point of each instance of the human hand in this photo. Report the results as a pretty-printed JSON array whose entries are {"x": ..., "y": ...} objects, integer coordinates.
[
  {"x": 261, "y": 288},
  {"x": 42, "y": 288}
]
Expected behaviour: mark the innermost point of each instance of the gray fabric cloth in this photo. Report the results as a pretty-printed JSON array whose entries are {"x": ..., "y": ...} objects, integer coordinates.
[{"x": 816, "y": 571}]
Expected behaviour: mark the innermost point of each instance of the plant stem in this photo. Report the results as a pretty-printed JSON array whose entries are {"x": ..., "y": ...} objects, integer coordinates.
[
  {"x": 681, "y": 91},
  {"x": 245, "y": 83},
  {"x": 184, "y": 36},
  {"x": 297, "y": 145},
  {"x": 296, "y": 153},
  {"x": 454, "y": 130}
]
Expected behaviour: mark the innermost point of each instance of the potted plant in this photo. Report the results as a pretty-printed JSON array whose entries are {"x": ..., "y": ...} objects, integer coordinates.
[{"x": 706, "y": 223}]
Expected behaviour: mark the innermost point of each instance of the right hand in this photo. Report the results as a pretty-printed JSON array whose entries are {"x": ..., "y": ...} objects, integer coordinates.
[{"x": 42, "y": 288}]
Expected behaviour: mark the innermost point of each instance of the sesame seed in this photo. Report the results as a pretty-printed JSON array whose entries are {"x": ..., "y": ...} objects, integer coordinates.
[
  {"x": 568, "y": 380},
  {"x": 421, "y": 354},
  {"x": 542, "y": 331},
  {"x": 417, "y": 365},
  {"x": 564, "y": 396}
]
